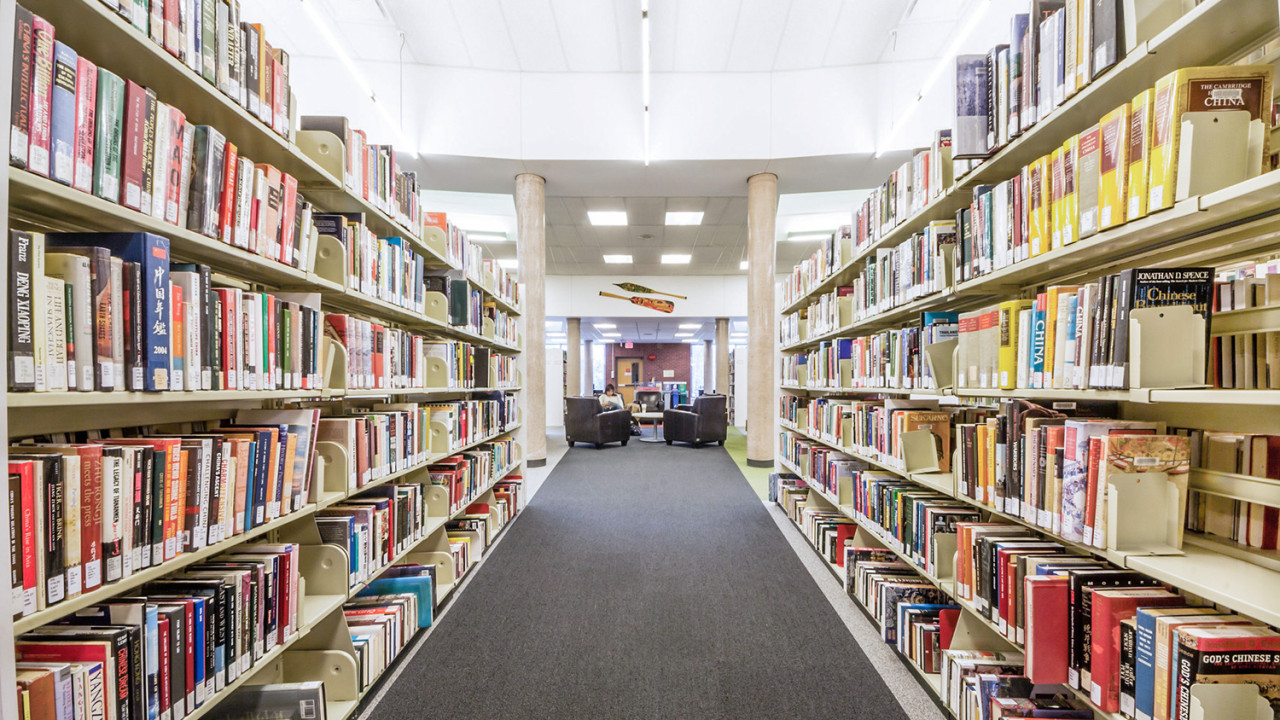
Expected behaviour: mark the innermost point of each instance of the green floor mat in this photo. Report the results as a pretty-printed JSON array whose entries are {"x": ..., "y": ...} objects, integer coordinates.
[{"x": 758, "y": 478}]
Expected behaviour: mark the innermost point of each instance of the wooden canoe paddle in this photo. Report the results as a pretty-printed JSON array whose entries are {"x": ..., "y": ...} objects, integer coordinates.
[
  {"x": 658, "y": 304},
  {"x": 632, "y": 287}
]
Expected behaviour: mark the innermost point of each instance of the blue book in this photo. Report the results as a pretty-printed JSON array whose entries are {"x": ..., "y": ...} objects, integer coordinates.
[
  {"x": 420, "y": 586},
  {"x": 844, "y": 348},
  {"x": 1037, "y": 347},
  {"x": 933, "y": 318},
  {"x": 198, "y": 647},
  {"x": 149, "y": 368},
  {"x": 62, "y": 121},
  {"x": 1144, "y": 687}
]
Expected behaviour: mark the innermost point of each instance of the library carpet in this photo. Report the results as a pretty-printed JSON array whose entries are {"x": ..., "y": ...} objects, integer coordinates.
[{"x": 641, "y": 582}]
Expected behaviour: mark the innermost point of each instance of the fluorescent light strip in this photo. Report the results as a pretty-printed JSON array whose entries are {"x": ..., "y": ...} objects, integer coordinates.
[
  {"x": 322, "y": 26},
  {"x": 611, "y": 335},
  {"x": 807, "y": 236},
  {"x": 693, "y": 341},
  {"x": 644, "y": 71},
  {"x": 617, "y": 259},
  {"x": 487, "y": 236},
  {"x": 946, "y": 61},
  {"x": 690, "y": 326},
  {"x": 676, "y": 259},
  {"x": 607, "y": 218},
  {"x": 684, "y": 218},
  {"x": 605, "y": 326},
  {"x": 684, "y": 334}
]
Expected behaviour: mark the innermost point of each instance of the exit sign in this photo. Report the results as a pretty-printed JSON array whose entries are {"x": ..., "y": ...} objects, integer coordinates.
[{"x": 628, "y": 346}]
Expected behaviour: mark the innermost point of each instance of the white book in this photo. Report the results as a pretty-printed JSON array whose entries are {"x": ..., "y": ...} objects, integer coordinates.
[
  {"x": 160, "y": 163},
  {"x": 74, "y": 271},
  {"x": 192, "y": 320},
  {"x": 38, "y": 318},
  {"x": 184, "y": 192},
  {"x": 1060, "y": 340},
  {"x": 244, "y": 202},
  {"x": 1024, "y": 348},
  {"x": 55, "y": 334},
  {"x": 71, "y": 527},
  {"x": 129, "y": 553}
]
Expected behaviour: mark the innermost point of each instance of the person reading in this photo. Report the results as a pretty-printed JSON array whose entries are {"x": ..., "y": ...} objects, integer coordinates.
[{"x": 611, "y": 400}]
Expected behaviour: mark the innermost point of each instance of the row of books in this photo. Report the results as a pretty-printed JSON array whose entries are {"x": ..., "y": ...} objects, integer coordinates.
[
  {"x": 383, "y": 622},
  {"x": 385, "y": 268},
  {"x": 915, "y": 268},
  {"x": 1123, "y": 168},
  {"x": 373, "y": 173},
  {"x": 90, "y": 510},
  {"x": 891, "y": 359},
  {"x": 920, "y": 620},
  {"x": 1258, "y": 455},
  {"x": 111, "y": 312},
  {"x": 1055, "y": 49},
  {"x": 1250, "y": 360},
  {"x": 170, "y": 648},
  {"x": 476, "y": 267},
  {"x": 1071, "y": 336},
  {"x": 86, "y": 127},
  {"x": 906, "y": 191},
  {"x": 209, "y": 38},
  {"x": 380, "y": 357}
]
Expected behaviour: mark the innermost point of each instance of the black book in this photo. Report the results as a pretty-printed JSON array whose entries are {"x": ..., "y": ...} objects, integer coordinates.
[
  {"x": 1128, "y": 665},
  {"x": 134, "y": 328},
  {"x": 1108, "y": 34},
  {"x": 52, "y": 483},
  {"x": 1158, "y": 287},
  {"x": 144, "y": 510},
  {"x": 119, "y": 613},
  {"x": 128, "y": 699},
  {"x": 156, "y": 507},
  {"x": 215, "y": 624},
  {"x": 177, "y": 616},
  {"x": 252, "y": 67},
  {"x": 20, "y": 100},
  {"x": 1080, "y": 613},
  {"x": 15, "y": 541},
  {"x": 139, "y": 488},
  {"x": 22, "y": 350},
  {"x": 219, "y": 374}
]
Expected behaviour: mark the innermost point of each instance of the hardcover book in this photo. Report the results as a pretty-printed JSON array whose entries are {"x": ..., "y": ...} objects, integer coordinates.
[
  {"x": 62, "y": 122},
  {"x": 20, "y": 100},
  {"x": 972, "y": 86},
  {"x": 39, "y": 140},
  {"x": 1113, "y": 167}
]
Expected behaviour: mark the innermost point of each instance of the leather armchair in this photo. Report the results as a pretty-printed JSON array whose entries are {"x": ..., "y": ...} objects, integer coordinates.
[
  {"x": 586, "y": 421},
  {"x": 704, "y": 421},
  {"x": 650, "y": 400}
]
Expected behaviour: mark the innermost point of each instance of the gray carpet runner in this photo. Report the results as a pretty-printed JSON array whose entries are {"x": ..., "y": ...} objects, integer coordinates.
[{"x": 641, "y": 582}]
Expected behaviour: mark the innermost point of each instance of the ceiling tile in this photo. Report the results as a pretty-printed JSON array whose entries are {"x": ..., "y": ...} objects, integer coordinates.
[
  {"x": 435, "y": 38},
  {"x": 704, "y": 33},
  {"x": 646, "y": 210},
  {"x": 588, "y": 31},
  {"x": 485, "y": 33},
  {"x": 759, "y": 32},
  {"x": 808, "y": 32},
  {"x": 533, "y": 29}
]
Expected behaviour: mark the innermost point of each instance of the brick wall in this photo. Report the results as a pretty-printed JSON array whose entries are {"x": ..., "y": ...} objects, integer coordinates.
[{"x": 670, "y": 356}]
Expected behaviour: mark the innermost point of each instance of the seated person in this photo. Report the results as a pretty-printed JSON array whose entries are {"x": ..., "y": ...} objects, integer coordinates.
[{"x": 611, "y": 400}]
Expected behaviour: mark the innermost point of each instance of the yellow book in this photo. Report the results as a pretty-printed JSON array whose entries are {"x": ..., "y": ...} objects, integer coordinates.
[
  {"x": 1113, "y": 168},
  {"x": 1055, "y": 205},
  {"x": 1036, "y": 240},
  {"x": 1009, "y": 311},
  {"x": 980, "y": 443},
  {"x": 1231, "y": 87},
  {"x": 1070, "y": 200},
  {"x": 1050, "y": 328},
  {"x": 990, "y": 448},
  {"x": 1139, "y": 150}
]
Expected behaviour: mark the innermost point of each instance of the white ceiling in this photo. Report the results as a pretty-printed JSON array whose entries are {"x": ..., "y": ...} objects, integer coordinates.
[
  {"x": 644, "y": 329},
  {"x": 593, "y": 36}
]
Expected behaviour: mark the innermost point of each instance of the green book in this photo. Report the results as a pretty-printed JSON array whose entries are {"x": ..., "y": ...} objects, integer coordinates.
[
  {"x": 107, "y": 136},
  {"x": 142, "y": 16},
  {"x": 459, "y": 294},
  {"x": 209, "y": 40}
]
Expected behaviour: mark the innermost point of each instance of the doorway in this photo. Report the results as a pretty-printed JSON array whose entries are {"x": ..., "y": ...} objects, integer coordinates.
[{"x": 628, "y": 371}]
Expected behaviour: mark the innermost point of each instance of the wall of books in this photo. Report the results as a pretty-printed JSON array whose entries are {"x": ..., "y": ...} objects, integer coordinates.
[
  {"x": 1028, "y": 408},
  {"x": 261, "y": 402}
]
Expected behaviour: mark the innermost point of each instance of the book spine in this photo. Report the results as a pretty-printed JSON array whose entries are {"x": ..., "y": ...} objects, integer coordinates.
[
  {"x": 39, "y": 138},
  {"x": 22, "y": 372},
  {"x": 86, "y": 114},
  {"x": 227, "y": 203},
  {"x": 134, "y": 132},
  {"x": 20, "y": 100},
  {"x": 62, "y": 121},
  {"x": 175, "y": 170},
  {"x": 108, "y": 129},
  {"x": 150, "y": 109},
  {"x": 54, "y": 528}
]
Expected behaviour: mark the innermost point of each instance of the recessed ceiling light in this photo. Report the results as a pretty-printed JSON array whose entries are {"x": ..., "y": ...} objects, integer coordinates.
[
  {"x": 617, "y": 259},
  {"x": 604, "y": 326},
  {"x": 684, "y": 334},
  {"x": 611, "y": 335},
  {"x": 508, "y": 263},
  {"x": 692, "y": 341},
  {"x": 807, "y": 236},
  {"x": 676, "y": 259},
  {"x": 742, "y": 265},
  {"x": 487, "y": 236},
  {"x": 552, "y": 324},
  {"x": 690, "y": 326},
  {"x": 607, "y": 217},
  {"x": 684, "y": 218}
]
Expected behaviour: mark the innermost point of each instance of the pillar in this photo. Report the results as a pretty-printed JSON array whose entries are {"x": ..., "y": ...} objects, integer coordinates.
[
  {"x": 708, "y": 375},
  {"x": 532, "y": 228},
  {"x": 573, "y": 366},
  {"x": 762, "y": 206},
  {"x": 588, "y": 368},
  {"x": 722, "y": 356}
]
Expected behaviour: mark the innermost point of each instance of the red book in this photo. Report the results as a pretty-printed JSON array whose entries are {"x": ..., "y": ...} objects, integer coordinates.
[
  {"x": 227, "y": 205},
  {"x": 1047, "y": 648},
  {"x": 1110, "y": 606},
  {"x": 91, "y": 514},
  {"x": 178, "y": 334},
  {"x": 947, "y": 619},
  {"x": 279, "y": 120},
  {"x": 1091, "y": 498},
  {"x": 175, "y": 490},
  {"x": 844, "y": 533},
  {"x": 135, "y": 118},
  {"x": 378, "y": 379},
  {"x": 86, "y": 110},
  {"x": 25, "y": 470},
  {"x": 362, "y": 451},
  {"x": 364, "y": 163},
  {"x": 288, "y": 215},
  {"x": 172, "y": 29},
  {"x": 178, "y": 131},
  {"x": 1266, "y": 463},
  {"x": 41, "y": 98}
]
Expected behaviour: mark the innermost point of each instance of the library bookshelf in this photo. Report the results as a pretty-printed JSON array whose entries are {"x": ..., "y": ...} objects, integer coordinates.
[
  {"x": 320, "y": 647},
  {"x": 1233, "y": 224}
]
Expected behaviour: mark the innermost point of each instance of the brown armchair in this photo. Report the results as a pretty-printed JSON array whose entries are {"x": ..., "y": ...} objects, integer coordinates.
[
  {"x": 586, "y": 421},
  {"x": 705, "y": 421}
]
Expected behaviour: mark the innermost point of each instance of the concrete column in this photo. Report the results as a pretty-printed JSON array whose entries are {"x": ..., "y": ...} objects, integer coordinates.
[
  {"x": 532, "y": 228},
  {"x": 588, "y": 368},
  {"x": 722, "y": 356},
  {"x": 708, "y": 364},
  {"x": 573, "y": 367},
  {"x": 762, "y": 207}
]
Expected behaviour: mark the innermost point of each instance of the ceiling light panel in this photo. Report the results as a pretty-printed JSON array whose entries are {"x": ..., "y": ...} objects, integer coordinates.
[
  {"x": 684, "y": 335},
  {"x": 606, "y": 218},
  {"x": 605, "y": 326},
  {"x": 690, "y": 326},
  {"x": 676, "y": 259},
  {"x": 617, "y": 259},
  {"x": 684, "y": 218}
]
